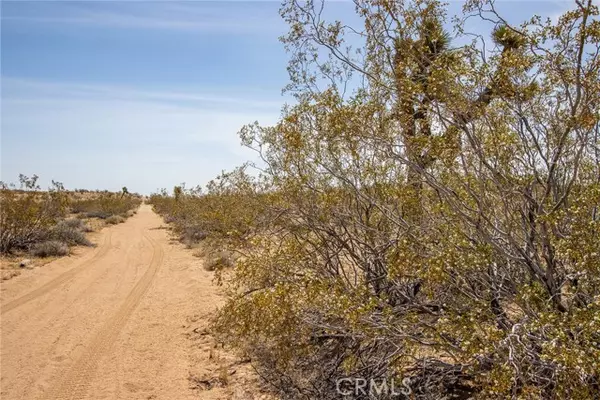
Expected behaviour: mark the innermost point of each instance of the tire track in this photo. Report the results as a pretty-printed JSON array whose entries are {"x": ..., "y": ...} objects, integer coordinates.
[
  {"x": 75, "y": 382},
  {"x": 49, "y": 324},
  {"x": 59, "y": 280}
]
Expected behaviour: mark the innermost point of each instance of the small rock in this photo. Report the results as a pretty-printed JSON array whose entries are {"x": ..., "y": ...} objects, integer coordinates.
[{"x": 24, "y": 263}]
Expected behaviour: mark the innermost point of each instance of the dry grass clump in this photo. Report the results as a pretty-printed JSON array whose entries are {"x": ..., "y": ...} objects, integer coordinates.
[
  {"x": 9, "y": 274},
  {"x": 115, "y": 219},
  {"x": 97, "y": 214},
  {"x": 50, "y": 248},
  {"x": 192, "y": 234},
  {"x": 199, "y": 253},
  {"x": 219, "y": 260}
]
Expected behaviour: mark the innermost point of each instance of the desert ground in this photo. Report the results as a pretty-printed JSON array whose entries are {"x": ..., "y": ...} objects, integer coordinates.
[{"x": 126, "y": 319}]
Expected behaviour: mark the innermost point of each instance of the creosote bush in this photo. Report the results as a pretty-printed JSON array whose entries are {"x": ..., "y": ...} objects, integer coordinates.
[
  {"x": 27, "y": 215},
  {"x": 105, "y": 205},
  {"x": 427, "y": 210},
  {"x": 221, "y": 218}
]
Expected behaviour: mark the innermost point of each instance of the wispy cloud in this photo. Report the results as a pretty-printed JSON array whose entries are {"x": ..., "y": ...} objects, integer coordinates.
[
  {"x": 113, "y": 136},
  {"x": 245, "y": 98},
  {"x": 190, "y": 16}
]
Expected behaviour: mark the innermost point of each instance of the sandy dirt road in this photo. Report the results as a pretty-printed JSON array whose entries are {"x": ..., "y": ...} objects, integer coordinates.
[{"x": 111, "y": 322}]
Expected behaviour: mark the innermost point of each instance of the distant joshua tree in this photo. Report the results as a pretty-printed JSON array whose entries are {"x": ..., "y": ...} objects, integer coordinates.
[
  {"x": 177, "y": 192},
  {"x": 29, "y": 183}
]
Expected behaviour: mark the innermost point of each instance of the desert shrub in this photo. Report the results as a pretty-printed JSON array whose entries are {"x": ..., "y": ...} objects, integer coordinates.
[
  {"x": 26, "y": 216},
  {"x": 230, "y": 210},
  {"x": 98, "y": 214},
  {"x": 74, "y": 223},
  {"x": 439, "y": 224},
  {"x": 105, "y": 205},
  {"x": 169, "y": 219},
  {"x": 30, "y": 215},
  {"x": 78, "y": 207},
  {"x": 115, "y": 219},
  {"x": 67, "y": 231},
  {"x": 51, "y": 248},
  {"x": 192, "y": 234}
]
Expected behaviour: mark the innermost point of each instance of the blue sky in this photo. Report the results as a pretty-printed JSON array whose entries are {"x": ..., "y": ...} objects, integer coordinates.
[{"x": 143, "y": 94}]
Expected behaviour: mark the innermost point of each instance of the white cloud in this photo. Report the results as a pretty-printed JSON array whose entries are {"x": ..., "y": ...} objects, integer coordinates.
[
  {"x": 99, "y": 136},
  {"x": 25, "y": 88},
  {"x": 189, "y": 16}
]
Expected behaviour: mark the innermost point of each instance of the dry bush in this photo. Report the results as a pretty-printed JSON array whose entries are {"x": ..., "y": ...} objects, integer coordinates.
[
  {"x": 192, "y": 234},
  {"x": 32, "y": 219},
  {"x": 27, "y": 216},
  {"x": 74, "y": 223},
  {"x": 51, "y": 248},
  {"x": 71, "y": 232},
  {"x": 97, "y": 214},
  {"x": 86, "y": 228},
  {"x": 79, "y": 207},
  {"x": 229, "y": 211},
  {"x": 115, "y": 219},
  {"x": 105, "y": 205},
  {"x": 200, "y": 253}
]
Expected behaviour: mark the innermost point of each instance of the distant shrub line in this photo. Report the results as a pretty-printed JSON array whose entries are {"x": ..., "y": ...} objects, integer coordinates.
[{"x": 35, "y": 221}]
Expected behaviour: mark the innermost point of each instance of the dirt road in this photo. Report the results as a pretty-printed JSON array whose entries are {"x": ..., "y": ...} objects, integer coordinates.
[{"x": 111, "y": 322}]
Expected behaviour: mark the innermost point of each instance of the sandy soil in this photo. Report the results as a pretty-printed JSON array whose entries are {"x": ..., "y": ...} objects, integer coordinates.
[{"x": 124, "y": 320}]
